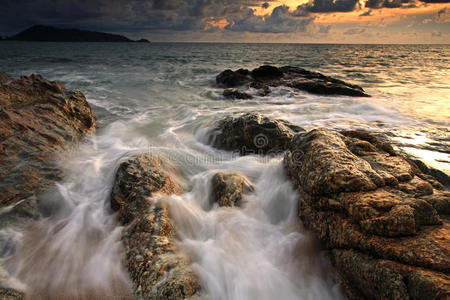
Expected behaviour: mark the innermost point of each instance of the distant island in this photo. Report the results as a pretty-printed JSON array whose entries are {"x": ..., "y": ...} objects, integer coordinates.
[{"x": 40, "y": 33}]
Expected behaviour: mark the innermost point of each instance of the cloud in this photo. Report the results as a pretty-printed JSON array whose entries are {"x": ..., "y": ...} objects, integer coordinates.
[
  {"x": 281, "y": 20},
  {"x": 326, "y": 6},
  {"x": 353, "y": 31},
  {"x": 366, "y": 14},
  {"x": 390, "y": 3}
]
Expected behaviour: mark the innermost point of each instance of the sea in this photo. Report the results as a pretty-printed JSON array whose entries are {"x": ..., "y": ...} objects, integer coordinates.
[{"x": 162, "y": 98}]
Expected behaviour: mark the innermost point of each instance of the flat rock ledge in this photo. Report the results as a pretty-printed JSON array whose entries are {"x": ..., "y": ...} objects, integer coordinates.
[
  {"x": 253, "y": 133},
  {"x": 264, "y": 77},
  {"x": 385, "y": 222},
  {"x": 156, "y": 268}
]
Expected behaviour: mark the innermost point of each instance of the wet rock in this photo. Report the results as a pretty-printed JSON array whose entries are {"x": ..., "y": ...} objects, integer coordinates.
[
  {"x": 156, "y": 267},
  {"x": 10, "y": 294},
  {"x": 5, "y": 78},
  {"x": 253, "y": 133},
  {"x": 236, "y": 94},
  {"x": 228, "y": 78},
  {"x": 437, "y": 174},
  {"x": 293, "y": 77},
  {"x": 266, "y": 72},
  {"x": 373, "y": 209},
  {"x": 38, "y": 119},
  {"x": 228, "y": 188}
]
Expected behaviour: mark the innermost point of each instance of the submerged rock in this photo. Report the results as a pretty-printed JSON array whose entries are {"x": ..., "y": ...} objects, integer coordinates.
[
  {"x": 228, "y": 188},
  {"x": 38, "y": 119},
  {"x": 236, "y": 94},
  {"x": 253, "y": 133},
  {"x": 293, "y": 77},
  {"x": 157, "y": 270},
  {"x": 386, "y": 225}
]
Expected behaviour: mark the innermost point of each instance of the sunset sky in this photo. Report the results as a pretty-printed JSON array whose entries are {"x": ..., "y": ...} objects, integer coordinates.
[{"x": 302, "y": 21}]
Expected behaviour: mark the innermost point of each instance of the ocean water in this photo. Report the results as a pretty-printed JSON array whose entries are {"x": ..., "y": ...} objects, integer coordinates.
[{"x": 162, "y": 98}]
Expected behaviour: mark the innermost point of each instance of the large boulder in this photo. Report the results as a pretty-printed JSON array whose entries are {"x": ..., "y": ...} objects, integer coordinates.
[
  {"x": 38, "y": 119},
  {"x": 386, "y": 222},
  {"x": 253, "y": 133},
  {"x": 294, "y": 77},
  {"x": 228, "y": 188},
  {"x": 156, "y": 268}
]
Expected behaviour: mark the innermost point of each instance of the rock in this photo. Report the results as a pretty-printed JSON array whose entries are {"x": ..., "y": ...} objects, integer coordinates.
[
  {"x": 157, "y": 270},
  {"x": 293, "y": 77},
  {"x": 38, "y": 119},
  {"x": 10, "y": 294},
  {"x": 236, "y": 94},
  {"x": 253, "y": 133},
  {"x": 266, "y": 72},
  {"x": 438, "y": 174},
  {"x": 227, "y": 188},
  {"x": 229, "y": 78},
  {"x": 5, "y": 78},
  {"x": 382, "y": 222}
]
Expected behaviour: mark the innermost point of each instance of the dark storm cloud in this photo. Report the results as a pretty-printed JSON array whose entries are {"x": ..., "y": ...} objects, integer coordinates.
[
  {"x": 281, "y": 20},
  {"x": 119, "y": 15},
  {"x": 390, "y": 3},
  {"x": 179, "y": 15},
  {"x": 436, "y": 1},
  {"x": 326, "y": 6}
]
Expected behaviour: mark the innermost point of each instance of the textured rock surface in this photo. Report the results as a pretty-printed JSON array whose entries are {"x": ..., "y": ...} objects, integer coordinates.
[
  {"x": 228, "y": 188},
  {"x": 386, "y": 224},
  {"x": 253, "y": 133},
  {"x": 236, "y": 94},
  {"x": 298, "y": 78},
  {"x": 10, "y": 294},
  {"x": 38, "y": 118},
  {"x": 156, "y": 268}
]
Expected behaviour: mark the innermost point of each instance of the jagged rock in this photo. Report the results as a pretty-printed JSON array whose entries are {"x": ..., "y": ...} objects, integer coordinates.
[
  {"x": 38, "y": 118},
  {"x": 228, "y": 188},
  {"x": 294, "y": 77},
  {"x": 236, "y": 94},
  {"x": 373, "y": 209},
  {"x": 157, "y": 270},
  {"x": 253, "y": 133}
]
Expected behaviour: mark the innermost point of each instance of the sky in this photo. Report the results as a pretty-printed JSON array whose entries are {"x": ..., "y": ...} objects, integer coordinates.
[{"x": 291, "y": 21}]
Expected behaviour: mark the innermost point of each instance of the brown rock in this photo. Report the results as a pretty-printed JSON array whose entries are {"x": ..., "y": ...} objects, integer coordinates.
[
  {"x": 38, "y": 119},
  {"x": 253, "y": 133},
  {"x": 373, "y": 209},
  {"x": 5, "y": 77},
  {"x": 10, "y": 294},
  {"x": 228, "y": 188},
  {"x": 156, "y": 268}
]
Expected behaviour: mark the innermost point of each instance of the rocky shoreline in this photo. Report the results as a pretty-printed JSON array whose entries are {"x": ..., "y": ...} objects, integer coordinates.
[
  {"x": 39, "y": 120},
  {"x": 384, "y": 219}
]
